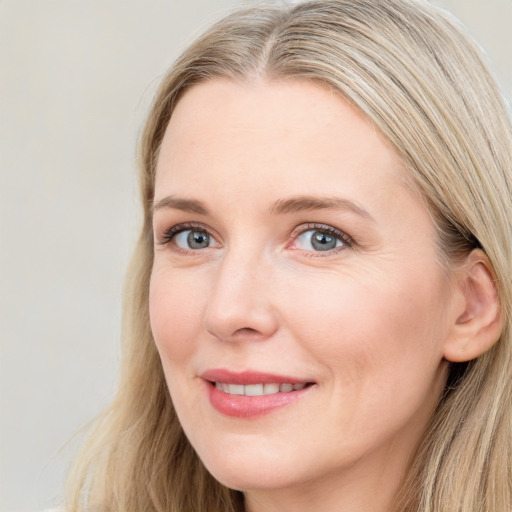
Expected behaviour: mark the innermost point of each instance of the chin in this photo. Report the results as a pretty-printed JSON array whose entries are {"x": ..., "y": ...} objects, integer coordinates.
[
  {"x": 252, "y": 473},
  {"x": 251, "y": 480}
]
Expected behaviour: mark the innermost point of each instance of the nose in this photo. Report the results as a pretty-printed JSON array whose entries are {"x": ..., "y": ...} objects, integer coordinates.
[{"x": 240, "y": 307}]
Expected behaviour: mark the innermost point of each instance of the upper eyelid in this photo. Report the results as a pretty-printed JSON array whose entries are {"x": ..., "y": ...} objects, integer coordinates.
[
  {"x": 304, "y": 228},
  {"x": 169, "y": 233}
]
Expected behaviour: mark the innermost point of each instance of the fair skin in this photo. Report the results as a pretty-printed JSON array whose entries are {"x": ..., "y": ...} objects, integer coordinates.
[{"x": 303, "y": 253}]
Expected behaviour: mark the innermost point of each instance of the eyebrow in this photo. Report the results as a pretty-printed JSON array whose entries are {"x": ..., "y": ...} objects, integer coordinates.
[
  {"x": 309, "y": 203},
  {"x": 280, "y": 207},
  {"x": 178, "y": 203}
]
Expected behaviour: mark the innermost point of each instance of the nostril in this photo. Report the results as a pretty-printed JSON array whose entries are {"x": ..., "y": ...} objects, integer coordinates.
[{"x": 247, "y": 331}]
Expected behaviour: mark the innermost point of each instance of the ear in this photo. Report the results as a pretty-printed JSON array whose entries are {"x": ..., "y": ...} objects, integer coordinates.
[{"x": 478, "y": 321}]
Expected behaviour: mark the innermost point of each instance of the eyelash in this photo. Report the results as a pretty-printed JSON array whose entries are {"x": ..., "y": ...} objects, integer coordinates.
[
  {"x": 172, "y": 232},
  {"x": 327, "y": 230},
  {"x": 347, "y": 241}
]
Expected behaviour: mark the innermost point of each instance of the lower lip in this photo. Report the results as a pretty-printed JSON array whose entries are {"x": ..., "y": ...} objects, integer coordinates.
[{"x": 241, "y": 406}]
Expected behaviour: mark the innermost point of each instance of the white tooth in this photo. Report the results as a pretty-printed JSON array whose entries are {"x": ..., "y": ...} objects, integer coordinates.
[
  {"x": 253, "y": 389},
  {"x": 224, "y": 387},
  {"x": 298, "y": 386},
  {"x": 218, "y": 385},
  {"x": 285, "y": 388},
  {"x": 236, "y": 389},
  {"x": 270, "y": 389}
]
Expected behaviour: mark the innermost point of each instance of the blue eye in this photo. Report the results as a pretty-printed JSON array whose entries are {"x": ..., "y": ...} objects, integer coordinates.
[
  {"x": 319, "y": 240},
  {"x": 192, "y": 239}
]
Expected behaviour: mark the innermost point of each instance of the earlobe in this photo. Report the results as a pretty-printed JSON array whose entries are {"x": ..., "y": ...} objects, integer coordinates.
[{"x": 478, "y": 322}]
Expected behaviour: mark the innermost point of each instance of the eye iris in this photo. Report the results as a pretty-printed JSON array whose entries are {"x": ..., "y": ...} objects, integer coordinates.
[
  {"x": 198, "y": 240},
  {"x": 322, "y": 241}
]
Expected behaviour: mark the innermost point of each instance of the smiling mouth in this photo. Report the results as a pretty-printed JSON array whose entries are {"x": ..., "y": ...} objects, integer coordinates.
[
  {"x": 251, "y": 394},
  {"x": 258, "y": 389}
]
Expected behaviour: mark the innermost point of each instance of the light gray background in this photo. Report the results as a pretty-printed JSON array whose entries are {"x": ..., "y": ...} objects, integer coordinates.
[{"x": 76, "y": 79}]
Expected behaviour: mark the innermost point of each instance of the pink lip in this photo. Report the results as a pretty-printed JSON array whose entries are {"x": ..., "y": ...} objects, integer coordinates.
[
  {"x": 249, "y": 377},
  {"x": 239, "y": 406}
]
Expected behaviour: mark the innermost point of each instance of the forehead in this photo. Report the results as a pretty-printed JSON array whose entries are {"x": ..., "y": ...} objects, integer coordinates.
[{"x": 283, "y": 132}]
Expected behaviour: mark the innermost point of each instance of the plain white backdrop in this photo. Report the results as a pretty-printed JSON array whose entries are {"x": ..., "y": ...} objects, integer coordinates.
[{"x": 76, "y": 79}]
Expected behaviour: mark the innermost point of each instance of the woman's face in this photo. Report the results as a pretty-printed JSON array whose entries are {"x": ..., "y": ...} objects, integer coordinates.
[{"x": 296, "y": 300}]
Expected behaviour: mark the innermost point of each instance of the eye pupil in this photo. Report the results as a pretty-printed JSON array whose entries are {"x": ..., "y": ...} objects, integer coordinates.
[
  {"x": 198, "y": 239},
  {"x": 322, "y": 241}
]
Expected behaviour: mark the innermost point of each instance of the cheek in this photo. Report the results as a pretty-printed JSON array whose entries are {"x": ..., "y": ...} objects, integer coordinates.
[
  {"x": 381, "y": 355},
  {"x": 374, "y": 335},
  {"x": 175, "y": 308}
]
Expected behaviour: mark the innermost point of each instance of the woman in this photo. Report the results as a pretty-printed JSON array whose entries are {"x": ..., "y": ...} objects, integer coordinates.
[{"x": 317, "y": 313}]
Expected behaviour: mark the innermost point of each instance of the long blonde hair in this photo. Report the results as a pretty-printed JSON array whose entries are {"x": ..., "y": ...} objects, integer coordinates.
[{"x": 418, "y": 78}]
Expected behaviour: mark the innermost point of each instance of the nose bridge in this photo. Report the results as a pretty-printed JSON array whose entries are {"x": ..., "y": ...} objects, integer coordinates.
[{"x": 239, "y": 302}]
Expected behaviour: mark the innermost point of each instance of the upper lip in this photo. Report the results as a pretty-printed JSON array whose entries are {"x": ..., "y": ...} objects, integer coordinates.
[{"x": 249, "y": 377}]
